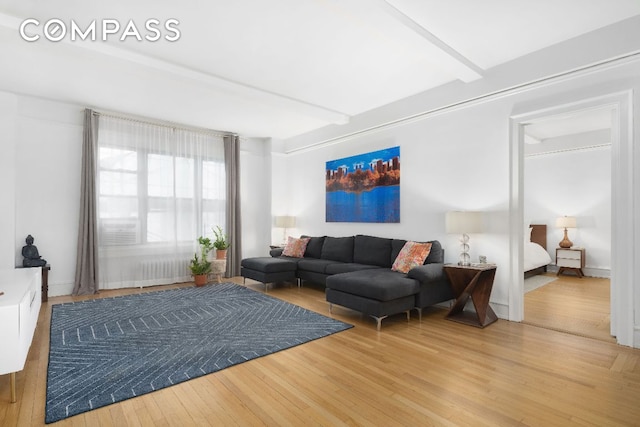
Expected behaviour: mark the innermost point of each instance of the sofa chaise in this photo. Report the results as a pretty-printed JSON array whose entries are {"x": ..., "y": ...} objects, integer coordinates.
[{"x": 356, "y": 272}]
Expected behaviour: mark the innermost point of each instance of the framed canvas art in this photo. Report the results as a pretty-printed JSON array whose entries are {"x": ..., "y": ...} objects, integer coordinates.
[{"x": 364, "y": 188}]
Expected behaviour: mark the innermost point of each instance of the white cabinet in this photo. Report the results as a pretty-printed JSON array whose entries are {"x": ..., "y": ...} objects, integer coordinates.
[
  {"x": 19, "y": 308},
  {"x": 570, "y": 259}
]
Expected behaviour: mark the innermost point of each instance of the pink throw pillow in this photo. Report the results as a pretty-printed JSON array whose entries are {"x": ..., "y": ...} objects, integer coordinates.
[
  {"x": 295, "y": 247},
  {"x": 411, "y": 255}
]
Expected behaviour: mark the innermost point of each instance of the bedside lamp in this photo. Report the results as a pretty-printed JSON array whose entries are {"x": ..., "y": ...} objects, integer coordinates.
[
  {"x": 285, "y": 221},
  {"x": 566, "y": 222},
  {"x": 457, "y": 222}
]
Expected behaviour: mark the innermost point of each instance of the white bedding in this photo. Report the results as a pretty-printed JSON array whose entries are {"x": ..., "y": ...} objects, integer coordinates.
[{"x": 535, "y": 256}]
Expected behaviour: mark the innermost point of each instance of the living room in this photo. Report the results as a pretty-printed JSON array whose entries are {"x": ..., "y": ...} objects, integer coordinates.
[{"x": 460, "y": 149}]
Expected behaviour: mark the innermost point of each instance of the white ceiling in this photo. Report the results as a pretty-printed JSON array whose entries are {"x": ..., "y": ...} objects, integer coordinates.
[{"x": 283, "y": 67}]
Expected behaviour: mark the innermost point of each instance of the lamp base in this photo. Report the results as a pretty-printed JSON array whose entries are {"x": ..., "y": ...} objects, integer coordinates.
[
  {"x": 565, "y": 243},
  {"x": 464, "y": 259}
]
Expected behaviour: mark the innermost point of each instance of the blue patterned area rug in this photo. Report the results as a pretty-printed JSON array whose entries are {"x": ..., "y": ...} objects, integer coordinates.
[{"x": 107, "y": 350}]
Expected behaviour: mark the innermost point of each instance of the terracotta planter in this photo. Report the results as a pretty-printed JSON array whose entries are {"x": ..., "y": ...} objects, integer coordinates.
[
  {"x": 200, "y": 279},
  {"x": 221, "y": 253}
]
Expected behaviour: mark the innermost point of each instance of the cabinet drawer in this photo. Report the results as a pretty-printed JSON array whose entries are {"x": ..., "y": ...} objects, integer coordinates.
[
  {"x": 562, "y": 253},
  {"x": 571, "y": 263}
]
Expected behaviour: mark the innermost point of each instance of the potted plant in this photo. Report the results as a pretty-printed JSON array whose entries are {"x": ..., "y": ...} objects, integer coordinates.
[
  {"x": 201, "y": 266},
  {"x": 221, "y": 243}
]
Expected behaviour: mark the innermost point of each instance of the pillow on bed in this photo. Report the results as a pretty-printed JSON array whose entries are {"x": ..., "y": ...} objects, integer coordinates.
[{"x": 527, "y": 233}]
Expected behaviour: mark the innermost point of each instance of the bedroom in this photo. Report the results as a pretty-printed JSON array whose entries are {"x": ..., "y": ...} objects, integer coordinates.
[{"x": 568, "y": 171}]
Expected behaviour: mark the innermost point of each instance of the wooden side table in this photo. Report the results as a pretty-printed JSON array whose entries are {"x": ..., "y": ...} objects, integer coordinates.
[
  {"x": 473, "y": 283},
  {"x": 45, "y": 282},
  {"x": 571, "y": 259}
]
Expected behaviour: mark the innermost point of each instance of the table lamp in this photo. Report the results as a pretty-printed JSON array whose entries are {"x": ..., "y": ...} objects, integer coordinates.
[
  {"x": 566, "y": 222},
  {"x": 457, "y": 222},
  {"x": 284, "y": 222}
]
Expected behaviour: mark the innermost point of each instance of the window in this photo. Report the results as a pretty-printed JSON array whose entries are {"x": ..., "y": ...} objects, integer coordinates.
[{"x": 158, "y": 185}]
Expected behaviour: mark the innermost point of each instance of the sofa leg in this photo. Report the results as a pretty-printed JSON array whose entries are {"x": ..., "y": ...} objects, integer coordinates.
[
  {"x": 408, "y": 315},
  {"x": 419, "y": 310},
  {"x": 379, "y": 321},
  {"x": 330, "y": 308}
]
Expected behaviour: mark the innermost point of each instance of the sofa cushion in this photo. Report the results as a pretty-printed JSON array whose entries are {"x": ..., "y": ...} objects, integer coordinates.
[
  {"x": 412, "y": 255},
  {"x": 427, "y": 273},
  {"x": 315, "y": 265},
  {"x": 396, "y": 247},
  {"x": 314, "y": 247},
  {"x": 346, "y": 267},
  {"x": 269, "y": 264},
  {"x": 436, "y": 254},
  {"x": 338, "y": 249},
  {"x": 372, "y": 250},
  {"x": 295, "y": 247},
  {"x": 380, "y": 284}
]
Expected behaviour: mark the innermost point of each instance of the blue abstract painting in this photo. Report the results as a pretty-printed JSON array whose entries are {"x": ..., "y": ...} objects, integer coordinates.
[{"x": 364, "y": 188}]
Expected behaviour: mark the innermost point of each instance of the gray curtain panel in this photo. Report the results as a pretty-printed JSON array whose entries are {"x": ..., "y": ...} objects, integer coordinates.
[
  {"x": 86, "y": 279},
  {"x": 232, "y": 167}
]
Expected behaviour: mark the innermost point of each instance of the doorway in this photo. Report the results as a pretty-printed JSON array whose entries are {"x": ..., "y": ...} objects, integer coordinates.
[
  {"x": 567, "y": 171},
  {"x": 621, "y": 207}
]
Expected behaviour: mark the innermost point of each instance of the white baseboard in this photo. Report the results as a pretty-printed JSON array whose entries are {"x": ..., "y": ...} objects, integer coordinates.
[
  {"x": 60, "y": 289},
  {"x": 501, "y": 310}
]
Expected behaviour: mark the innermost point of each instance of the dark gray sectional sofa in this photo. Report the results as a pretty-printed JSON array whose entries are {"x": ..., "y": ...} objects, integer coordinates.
[{"x": 356, "y": 272}]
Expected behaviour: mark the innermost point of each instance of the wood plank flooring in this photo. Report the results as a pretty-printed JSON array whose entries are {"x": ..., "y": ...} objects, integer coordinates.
[
  {"x": 436, "y": 372},
  {"x": 570, "y": 304}
]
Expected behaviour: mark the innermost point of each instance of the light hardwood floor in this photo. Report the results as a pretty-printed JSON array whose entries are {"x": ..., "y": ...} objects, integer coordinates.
[
  {"x": 570, "y": 304},
  {"x": 432, "y": 373}
]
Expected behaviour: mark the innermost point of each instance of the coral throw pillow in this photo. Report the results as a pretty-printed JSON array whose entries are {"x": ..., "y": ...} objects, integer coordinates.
[
  {"x": 411, "y": 255},
  {"x": 295, "y": 247}
]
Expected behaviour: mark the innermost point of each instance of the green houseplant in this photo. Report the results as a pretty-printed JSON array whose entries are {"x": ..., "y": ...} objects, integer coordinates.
[
  {"x": 221, "y": 243},
  {"x": 201, "y": 266}
]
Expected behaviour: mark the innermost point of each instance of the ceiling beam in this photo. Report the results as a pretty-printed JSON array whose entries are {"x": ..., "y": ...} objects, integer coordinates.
[
  {"x": 253, "y": 93},
  {"x": 453, "y": 61}
]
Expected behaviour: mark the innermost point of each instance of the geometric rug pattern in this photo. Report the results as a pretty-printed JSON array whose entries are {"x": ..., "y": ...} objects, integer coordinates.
[{"x": 107, "y": 350}]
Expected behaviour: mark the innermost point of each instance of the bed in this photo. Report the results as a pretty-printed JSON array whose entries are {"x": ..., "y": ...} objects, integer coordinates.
[{"x": 536, "y": 257}]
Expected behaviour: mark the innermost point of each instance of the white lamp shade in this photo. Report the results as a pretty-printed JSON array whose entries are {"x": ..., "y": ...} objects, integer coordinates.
[
  {"x": 285, "y": 221},
  {"x": 566, "y": 222},
  {"x": 463, "y": 222}
]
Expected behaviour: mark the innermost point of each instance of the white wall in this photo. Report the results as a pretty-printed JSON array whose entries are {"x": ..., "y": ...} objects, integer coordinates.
[
  {"x": 255, "y": 182},
  {"x": 445, "y": 166},
  {"x": 457, "y": 158},
  {"x": 574, "y": 183},
  {"x": 48, "y": 148},
  {"x": 8, "y": 107},
  {"x": 40, "y": 170}
]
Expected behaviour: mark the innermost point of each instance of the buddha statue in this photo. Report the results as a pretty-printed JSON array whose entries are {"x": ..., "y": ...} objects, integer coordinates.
[{"x": 31, "y": 256}]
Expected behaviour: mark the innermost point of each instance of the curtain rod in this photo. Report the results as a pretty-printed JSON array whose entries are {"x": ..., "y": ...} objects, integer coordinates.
[{"x": 161, "y": 123}]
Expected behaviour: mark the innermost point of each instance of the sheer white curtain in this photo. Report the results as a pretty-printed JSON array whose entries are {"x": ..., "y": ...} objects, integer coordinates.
[{"x": 159, "y": 188}]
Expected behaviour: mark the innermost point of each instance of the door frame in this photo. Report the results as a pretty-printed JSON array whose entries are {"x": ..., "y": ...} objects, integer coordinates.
[{"x": 622, "y": 255}]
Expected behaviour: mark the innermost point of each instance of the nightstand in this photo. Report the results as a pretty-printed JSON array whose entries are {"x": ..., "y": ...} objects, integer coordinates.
[
  {"x": 473, "y": 283},
  {"x": 570, "y": 259}
]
